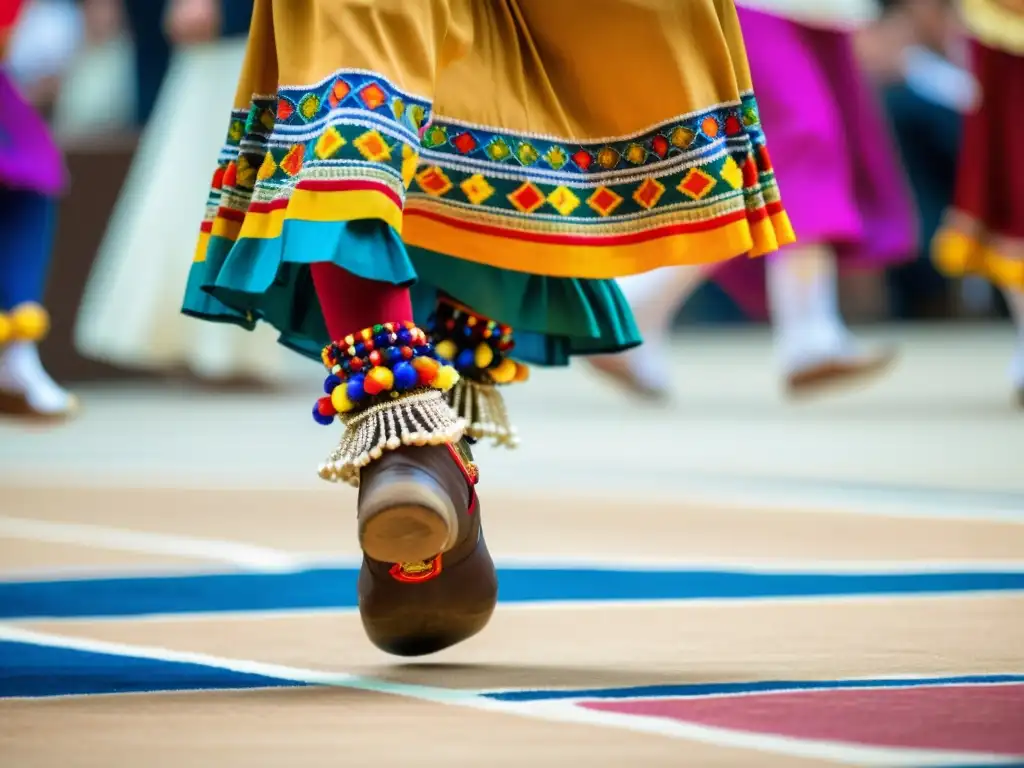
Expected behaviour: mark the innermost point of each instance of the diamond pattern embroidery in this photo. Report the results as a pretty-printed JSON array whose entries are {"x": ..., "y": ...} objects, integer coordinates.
[
  {"x": 527, "y": 198},
  {"x": 648, "y": 194},
  {"x": 309, "y": 106},
  {"x": 433, "y": 181},
  {"x": 563, "y": 200},
  {"x": 291, "y": 163},
  {"x": 696, "y": 184},
  {"x": 373, "y": 96},
  {"x": 732, "y": 173},
  {"x": 410, "y": 161},
  {"x": 329, "y": 143},
  {"x": 476, "y": 189},
  {"x": 604, "y": 201},
  {"x": 372, "y": 146},
  {"x": 339, "y": 91},
  {"x": 498, "y": 150},
  {"x": 267, "y": 167}
]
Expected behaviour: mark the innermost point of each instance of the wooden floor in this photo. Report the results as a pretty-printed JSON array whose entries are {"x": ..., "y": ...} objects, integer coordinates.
[{"x": 728, "y": 581}]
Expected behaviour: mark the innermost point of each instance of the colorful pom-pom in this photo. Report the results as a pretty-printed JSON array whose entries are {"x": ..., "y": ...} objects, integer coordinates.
[
  {"x": 406, "y": 376},
  {"x": 522, "y": 372},
  {"x": 378, "y": 380},
  {"x": 464, "y": 361},
  {"x": 29, "y": 322},
  {"x": 375, "y": 358},
  {"x": 446, "y": 349},
  {"x": 484, "y": 356},
  {"x": 426, "y": 368},
  {"x": 447, "y": 377},
  {"x": 330, "y": 383},
  {"x": 6, "y": 329},
  {"x": 504, "y": 372},
  {"x": 320, "y": 418},
  {"x": 340, "y": 401},
  {"x": 356, "y": 364},
  {"x": 326, "y": 407},
  {"x": 354, "y": 388}
]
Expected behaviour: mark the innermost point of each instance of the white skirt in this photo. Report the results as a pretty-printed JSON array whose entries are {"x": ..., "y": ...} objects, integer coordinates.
[{"x": 130, "y": 311}]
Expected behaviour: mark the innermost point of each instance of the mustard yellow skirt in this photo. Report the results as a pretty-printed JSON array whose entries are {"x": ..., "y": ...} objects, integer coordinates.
[{"x": 517, "y": 154}]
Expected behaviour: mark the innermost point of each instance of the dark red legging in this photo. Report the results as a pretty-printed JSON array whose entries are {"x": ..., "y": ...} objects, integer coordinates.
[{"x": 351, "y": 303}]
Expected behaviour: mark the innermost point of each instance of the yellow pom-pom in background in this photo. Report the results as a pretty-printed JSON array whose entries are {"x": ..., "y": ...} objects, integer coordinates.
[
  {"x": 6, "y": 329},
  {"x": 522, "y": 372},
  {"x": 29, "y": 322},
  {"x": 446, "y": 349},
  {"x": 447, "y": 377},
  {"x": 504, "y": 372},
  {"x": 484, "y": 356},
  {"x": 340, "y": 401}
]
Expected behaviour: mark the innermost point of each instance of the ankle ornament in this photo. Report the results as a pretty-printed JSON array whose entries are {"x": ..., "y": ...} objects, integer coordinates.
[
  {"x": 386, "y": 384},
  {"x": 479, "y": 350},
  {"x": 26, "y": 322}
]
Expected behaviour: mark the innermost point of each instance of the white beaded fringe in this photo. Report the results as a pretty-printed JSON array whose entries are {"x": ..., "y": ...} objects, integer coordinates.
[
  {"x": 419, "y": 418},
  {"x": 482, "y": 407}
]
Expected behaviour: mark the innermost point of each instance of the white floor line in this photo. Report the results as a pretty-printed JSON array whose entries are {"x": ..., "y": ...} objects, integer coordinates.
[
  {"x": 552, "y": 711},
  {"x": 241, "y": 555}
]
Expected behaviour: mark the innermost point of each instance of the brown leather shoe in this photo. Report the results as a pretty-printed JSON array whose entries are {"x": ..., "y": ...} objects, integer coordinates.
[{"x": 411, "y": 501}]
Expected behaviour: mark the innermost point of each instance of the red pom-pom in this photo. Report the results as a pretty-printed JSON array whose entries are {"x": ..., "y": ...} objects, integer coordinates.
[
  {"x": 356, "y": 364},
  {"x": 368, "y": 345},
  {"x": 375, "y": 358},
  {"x": 325, "y": 407},
  {"x": 407, "y": 353}
]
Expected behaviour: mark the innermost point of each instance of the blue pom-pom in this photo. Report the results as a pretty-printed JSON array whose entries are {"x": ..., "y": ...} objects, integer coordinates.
[
  {"x": 466, "y": 360},
  {"x": 404, "y": 337},
  {"x": 360, "y": 349},
  {"x": 425, "y": 351},
  {"x": 330, "y": 383},
  {"x": 406, "y": 377},
  {"x": 392, "y": 355},
  {"x": 467, "y": 331},
  {"x": 354, "y": 389},
  {"x": 319, "y": 418}
]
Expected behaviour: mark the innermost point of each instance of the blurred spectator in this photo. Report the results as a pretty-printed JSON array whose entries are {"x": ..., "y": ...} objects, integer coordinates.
[
  {"x": 915, "y": 54},
  {"x": 130, "y": 313}
]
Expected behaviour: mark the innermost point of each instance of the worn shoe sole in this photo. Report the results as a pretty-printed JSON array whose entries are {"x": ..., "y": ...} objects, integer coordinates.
[
  {"x": 833, "y": 375},
  {"x": 407, "y": 520}
]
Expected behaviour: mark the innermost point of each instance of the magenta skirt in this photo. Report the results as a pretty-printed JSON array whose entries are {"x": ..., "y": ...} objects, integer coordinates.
[
  {"x": 833, "y": 151},
  {"x": 29, "y": 158}
]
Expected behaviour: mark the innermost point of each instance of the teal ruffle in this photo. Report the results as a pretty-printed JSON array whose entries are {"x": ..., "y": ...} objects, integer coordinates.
[{"x": 269, "y": 280}]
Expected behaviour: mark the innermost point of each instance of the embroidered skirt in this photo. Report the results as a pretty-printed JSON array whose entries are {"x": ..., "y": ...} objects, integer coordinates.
[
  {"x": 515, "y": 154},
  {"x": 834, "y": 153},
  {"x": 984, "y": 231}
]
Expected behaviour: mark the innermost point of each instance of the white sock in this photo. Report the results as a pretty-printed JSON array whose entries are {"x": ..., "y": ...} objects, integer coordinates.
[
  {"x": 655, "y": 297},
  {"x": 803, "y": 296},
  {"x": 1015, "y": 300},
  {"x": 22, "y": 373}
]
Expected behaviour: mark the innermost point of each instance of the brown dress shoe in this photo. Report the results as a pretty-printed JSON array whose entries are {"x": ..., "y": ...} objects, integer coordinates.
[{"x": 427, "y": 580}]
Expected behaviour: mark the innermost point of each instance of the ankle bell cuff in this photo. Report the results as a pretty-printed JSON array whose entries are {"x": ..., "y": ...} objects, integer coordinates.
[
  {"x": 386, "y": 385},
  {"x": 479, "y": 350}
]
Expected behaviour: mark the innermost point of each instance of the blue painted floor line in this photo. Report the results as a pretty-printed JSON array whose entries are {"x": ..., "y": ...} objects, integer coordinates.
[
  {"x": 327, "y": 588},
  {"x": 43, "y": 671},
  {"x": 760, "y": 686}
]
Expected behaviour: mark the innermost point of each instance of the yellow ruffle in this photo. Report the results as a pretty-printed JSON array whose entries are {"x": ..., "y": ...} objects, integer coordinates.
[{"x": 26, "y": 322}]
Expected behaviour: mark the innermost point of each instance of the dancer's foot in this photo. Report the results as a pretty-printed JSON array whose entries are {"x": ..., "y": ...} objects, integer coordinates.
[
  {"x": 427, "y": 580},
  {"x": 26, "y": 389},
  {"x": 818, "y": 371},
  {"x": 417, "y": 596},
  {"x": 634, "y": 372}
]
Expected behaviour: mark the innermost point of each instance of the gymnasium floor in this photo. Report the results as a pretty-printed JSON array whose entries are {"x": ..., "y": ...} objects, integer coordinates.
[{"x": 732, "y": 581}]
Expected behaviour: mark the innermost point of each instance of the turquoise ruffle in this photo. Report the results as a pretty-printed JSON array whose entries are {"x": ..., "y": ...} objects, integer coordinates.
[{"x": 269, "y": 280}]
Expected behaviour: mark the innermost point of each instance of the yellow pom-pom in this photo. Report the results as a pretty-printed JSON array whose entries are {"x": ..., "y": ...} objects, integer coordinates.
[
  {"x": 340, "y": 401},
  {"x": 446, "y": 349},
  {"x": 379, "y": 379},
  {"x": 504, "y": 372},
  {"x": 447, "y": 377},
  {"x": 484, "y": 356},
  {"x": 522, "y": 372},
  {"x": 29, "y": 322},
  {"x": 6, "y": 329}
]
